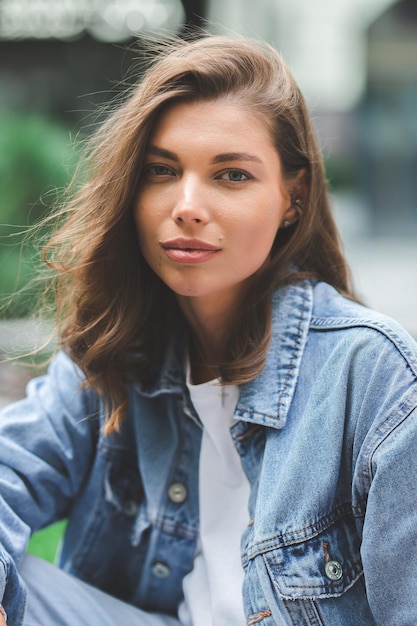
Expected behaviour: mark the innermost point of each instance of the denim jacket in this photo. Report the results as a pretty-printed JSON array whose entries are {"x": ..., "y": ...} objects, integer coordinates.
[{"x": 327, "y": 435}]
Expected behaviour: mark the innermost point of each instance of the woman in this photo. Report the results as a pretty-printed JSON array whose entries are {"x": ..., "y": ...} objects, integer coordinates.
[{"x": 230, "y": 435}]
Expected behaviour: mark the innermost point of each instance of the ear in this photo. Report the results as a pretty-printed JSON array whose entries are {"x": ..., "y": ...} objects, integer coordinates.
[{"x": 298, "y": 192}]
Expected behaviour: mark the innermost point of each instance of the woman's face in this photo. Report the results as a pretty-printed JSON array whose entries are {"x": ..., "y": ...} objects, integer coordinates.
[{"x": 211, "y": 200}]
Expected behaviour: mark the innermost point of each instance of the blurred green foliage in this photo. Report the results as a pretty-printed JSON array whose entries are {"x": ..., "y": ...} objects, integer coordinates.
[{"x": 37, "y": 160}]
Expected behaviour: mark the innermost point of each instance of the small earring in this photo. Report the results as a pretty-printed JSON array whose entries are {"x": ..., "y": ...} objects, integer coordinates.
[
  {"x": 286, "y": 223},
  {"x": 299, "y": 204}
]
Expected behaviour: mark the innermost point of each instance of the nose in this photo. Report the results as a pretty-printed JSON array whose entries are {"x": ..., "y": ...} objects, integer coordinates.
[{"x": 190, "y": 203}]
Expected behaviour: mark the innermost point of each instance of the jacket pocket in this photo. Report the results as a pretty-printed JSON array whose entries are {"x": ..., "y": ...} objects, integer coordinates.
[{"x": 323, "y": 565}]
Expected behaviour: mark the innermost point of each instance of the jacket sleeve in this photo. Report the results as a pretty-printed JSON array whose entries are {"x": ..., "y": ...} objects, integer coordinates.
[
  {"x": 47, "y": 442},
  {"x": 389, "y": 542}
]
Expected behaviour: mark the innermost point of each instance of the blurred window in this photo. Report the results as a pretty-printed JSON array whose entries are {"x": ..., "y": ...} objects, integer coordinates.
[{"x": 105, "y": 20}]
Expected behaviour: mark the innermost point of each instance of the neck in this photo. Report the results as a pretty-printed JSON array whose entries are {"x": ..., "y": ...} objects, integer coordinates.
[
  {"x": 209, "y": 327},
  {"x": 203, "y": 368}
]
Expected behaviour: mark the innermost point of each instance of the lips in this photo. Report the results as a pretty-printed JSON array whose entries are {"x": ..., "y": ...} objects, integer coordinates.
[
  {"x": 187, "y": 244},
  {"x": 189, "y": 251}
]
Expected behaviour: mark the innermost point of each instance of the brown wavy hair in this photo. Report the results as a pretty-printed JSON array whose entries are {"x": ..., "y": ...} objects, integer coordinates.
[{"x": 115, "y": 316}]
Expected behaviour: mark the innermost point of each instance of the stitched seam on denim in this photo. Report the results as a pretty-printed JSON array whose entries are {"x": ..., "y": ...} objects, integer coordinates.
[
  {"x": 328, "y": 590},
  {"x": 294, "y": 351},
  {"x": 389, "y": 333},
  {"x": 382, "y": 433},
  {"x": 242, "y": 410},
  {"x": 310, "y": 612},
  {"x": 326, "y": 586},
  {"x": 280, "y": 541},
  {"x": 175, "y": 529},
  {"x": 322, "y": 596},
  {"x": 316, "y": 612},
  {"x": 162, "y": 522},
  {"x": 255, "y": 618}
]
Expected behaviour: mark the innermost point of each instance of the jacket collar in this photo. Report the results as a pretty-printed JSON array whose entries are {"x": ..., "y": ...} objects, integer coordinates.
[{"x": 266, "y": 399}]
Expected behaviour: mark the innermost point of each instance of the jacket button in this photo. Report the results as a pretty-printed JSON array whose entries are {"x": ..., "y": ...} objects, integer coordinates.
[
  {"x": 177, "y": 493},
  {"x": 334, "y": 570},
  {"x": 160, "y": 569}
]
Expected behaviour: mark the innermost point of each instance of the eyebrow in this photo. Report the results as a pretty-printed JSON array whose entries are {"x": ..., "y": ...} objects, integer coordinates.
[
  {"x": 236, "y": 156},
  {"x": 220, "y": 158},
  {"x": 165, "y": 154}
]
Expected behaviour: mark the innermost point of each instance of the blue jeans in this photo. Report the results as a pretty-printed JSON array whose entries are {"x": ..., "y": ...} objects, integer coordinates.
[{"x": 57, "y": 599}]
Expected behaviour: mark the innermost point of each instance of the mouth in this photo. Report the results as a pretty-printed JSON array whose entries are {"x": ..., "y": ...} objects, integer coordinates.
[
  {"x": 189, "y": 251},
  {"x": 188, "y": 245}
]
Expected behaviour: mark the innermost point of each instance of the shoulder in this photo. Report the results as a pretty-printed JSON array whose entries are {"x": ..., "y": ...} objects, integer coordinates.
[
  {"x": 62, "y": 373},
  {"x": 62, "y": 388},
  {"x": 361, "y": 363},
  {"x": 357, "y": 324},
  {"x": 364, "y": 361},
  {"x": 316, "y": 329}
]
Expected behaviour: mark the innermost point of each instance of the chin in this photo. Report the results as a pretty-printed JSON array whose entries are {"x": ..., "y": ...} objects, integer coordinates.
[
  {"x": 191, "y": 293},
  {"x": 191, "y": 290}
]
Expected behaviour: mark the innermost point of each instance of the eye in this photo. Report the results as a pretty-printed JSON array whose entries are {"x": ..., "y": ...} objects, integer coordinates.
[
  {"x": 155, "y": 170},
  {"x": 234, "y": 176}
]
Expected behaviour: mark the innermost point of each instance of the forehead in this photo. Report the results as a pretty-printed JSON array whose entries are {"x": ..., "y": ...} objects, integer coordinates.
[{"x": 224, "y": 122}]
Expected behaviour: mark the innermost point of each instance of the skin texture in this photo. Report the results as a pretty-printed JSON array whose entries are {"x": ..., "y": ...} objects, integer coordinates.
[{"x": 212, "y": 174}]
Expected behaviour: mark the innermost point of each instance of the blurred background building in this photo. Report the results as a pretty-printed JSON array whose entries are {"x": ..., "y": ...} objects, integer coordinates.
[{"x": 355, "y": 61}]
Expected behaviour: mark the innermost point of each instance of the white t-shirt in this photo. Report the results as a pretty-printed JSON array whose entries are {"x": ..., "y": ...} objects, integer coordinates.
[{"x": 213, "y": 589}]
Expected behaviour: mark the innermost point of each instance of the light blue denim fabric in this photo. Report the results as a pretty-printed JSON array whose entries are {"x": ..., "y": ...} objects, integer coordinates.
[
  {"x": 327, "y": 435},
  {"x": 56, "y": 598}
]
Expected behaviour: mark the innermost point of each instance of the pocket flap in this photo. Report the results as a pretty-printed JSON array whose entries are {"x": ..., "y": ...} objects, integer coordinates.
[{"x": 324, "y": 565}]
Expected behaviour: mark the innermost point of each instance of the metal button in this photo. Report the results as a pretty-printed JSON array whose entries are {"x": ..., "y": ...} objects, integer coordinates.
[
  {"x": 333, "y": 570},
  {"x": 160, "y": 569},
  {"x": 177, "y": 493}
]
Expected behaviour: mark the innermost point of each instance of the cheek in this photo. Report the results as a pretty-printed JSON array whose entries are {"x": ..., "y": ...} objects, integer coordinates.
[
  {"x": 143, "y": 217},
  {"x": 263, "y": 226},
  {"x": 149, "y": 213}
]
